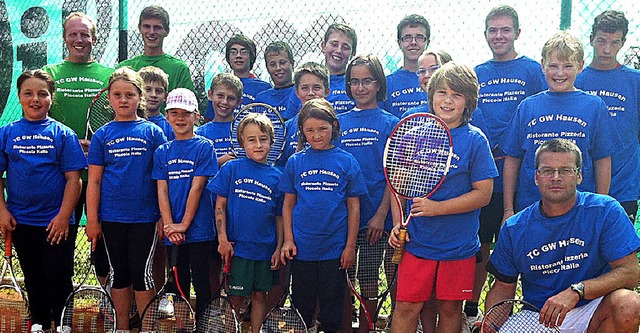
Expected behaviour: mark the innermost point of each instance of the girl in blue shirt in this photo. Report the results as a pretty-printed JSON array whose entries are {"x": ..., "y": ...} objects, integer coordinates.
[
  {"x": 43, "y": 159},
  {"x": 122, "y": 200}
]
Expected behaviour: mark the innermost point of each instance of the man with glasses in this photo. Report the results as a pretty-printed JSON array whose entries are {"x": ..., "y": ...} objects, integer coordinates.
[
  {"x": 403, "y": 87},
  {"x": 505, "y": 80},
  {"x": 619, "y": 87},
  {"x": 575, "y": 252}
]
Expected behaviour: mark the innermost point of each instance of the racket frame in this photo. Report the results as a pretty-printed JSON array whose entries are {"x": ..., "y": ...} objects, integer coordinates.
[
  {"x": 89, "y": 129},
  {"x": 8, "y": 256},
  {"x": 484, "y": 327},
  {"x": 279, "y": 141}
]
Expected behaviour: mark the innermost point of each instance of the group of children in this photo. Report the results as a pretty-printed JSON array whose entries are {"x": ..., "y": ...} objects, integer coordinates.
[{"x": 182, "y": 184}]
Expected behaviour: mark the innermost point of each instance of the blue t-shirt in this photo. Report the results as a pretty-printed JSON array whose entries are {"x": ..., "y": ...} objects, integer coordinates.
[
  {"x": 290, "y": 142},
  {"x": 577, "y": 116},
  {"x": 503, "y": 85},
  {"x": 178, "y": 162},
  {"x": 162, "y": 122},
  {"x": 620, "y": 90},
  {"x": 338, "y": 94},
  {"x": 253, "y": 202},
  {"x": 455, "y": 236},
  {"x": 35, "y": 155},
  {"x": 125, "y": 150},
  {"x": 364, "y": 133},
  {"x": 251, "y": 87},
  {"x": 403, "y": 92},
  {"x": 220, "y": 134},
  {"x": 322, "y": 180},
  {"x": 284, "y": 100},
  {"x": 550, "y": 254}
]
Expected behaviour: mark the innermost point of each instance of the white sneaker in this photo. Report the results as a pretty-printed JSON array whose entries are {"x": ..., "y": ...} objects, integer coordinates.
[
  {"x": 471, "y": 323},
  {"x": 36, "y": 328},
  {"x": 63, "y": 329}
]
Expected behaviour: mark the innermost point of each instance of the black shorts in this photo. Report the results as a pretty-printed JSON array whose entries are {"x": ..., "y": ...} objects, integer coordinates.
[
  {"x": 491, "y": 219},
  {"x": 130, "y": 248},
  {"x": 631, "y": 208}
]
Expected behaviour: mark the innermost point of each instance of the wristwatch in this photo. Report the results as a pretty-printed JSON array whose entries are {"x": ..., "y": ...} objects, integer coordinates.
[{"x": 579, "y": 288}]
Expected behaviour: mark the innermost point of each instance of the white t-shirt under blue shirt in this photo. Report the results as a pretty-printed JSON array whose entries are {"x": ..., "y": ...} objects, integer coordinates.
[
  {"x": 177, "y": 162},
  {"x": 35, "y": 155},
  {"x": 125, "y": 150}
]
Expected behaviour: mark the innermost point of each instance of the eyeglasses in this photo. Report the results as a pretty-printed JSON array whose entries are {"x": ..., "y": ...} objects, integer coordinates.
[
  {"x": 562, "y": 172},
  {"x": 366, "y": 82},
  {"x": 417, "y": 38},
  {"x": 234, "y": 52},
  {"x": 430, "y": 70}
]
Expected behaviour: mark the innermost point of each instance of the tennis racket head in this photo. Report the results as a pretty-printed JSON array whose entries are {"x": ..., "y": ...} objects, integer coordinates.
[
  {"x": 418, "y": 155},
  {"x": 100, "y": 112},
  {"x": 278, "y": 128},
  {"x": 167, "y": 312},
  {"x": 218, "y": 316},
  {"x": 514, "y": 315},
  {"x": 284, "y": 318},
  {"x": 89, "y": 309},
  {"x": 15, "y": 315}
]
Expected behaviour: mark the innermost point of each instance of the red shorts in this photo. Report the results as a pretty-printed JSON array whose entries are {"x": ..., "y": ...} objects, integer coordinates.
[{"x": 453, "y": 280}]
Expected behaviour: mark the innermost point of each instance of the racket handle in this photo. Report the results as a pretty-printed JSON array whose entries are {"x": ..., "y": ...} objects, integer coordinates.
[
  {"x": 399, "y": 251},
  {"x": 8, "y": 241},
  {"x": 227, "y": 267}
]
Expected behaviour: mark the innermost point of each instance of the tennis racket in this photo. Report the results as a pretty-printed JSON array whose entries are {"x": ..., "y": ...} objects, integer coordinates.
[
  {"x": 417, "y": 158},
  {"x": 284, "y": 318},
  {"x": 514, "y": 316},
  {"x": 89, "y": 308},
  {"x": 169, "y": 312},
  {"x": 219, "y": 314},
  {"x": 371, "y": 277},
  {"x": 278, "y": 127},
  {"x": 15, "y": 315},
  {"x": 100, "y": 112}
]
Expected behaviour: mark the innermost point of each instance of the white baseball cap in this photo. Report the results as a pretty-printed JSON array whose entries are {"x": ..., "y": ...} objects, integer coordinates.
[{"x": 182, "y": 98}]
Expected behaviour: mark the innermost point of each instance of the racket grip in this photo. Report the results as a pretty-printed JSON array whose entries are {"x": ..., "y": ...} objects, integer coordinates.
[
  {"x": 227, "y": 267},
  {"x": 399, "y": 251},
  {"x": 8, "y": 242}
]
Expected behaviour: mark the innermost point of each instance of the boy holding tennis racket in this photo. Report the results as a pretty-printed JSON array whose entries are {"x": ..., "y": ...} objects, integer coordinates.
[
  {"x": 249, "y": 216},
  {"x": 156, "y": 83},
  {"x": 182, "y": 168},
  {"x": 574, "y": 252},
  {"x": 442, "y": 238},
  {"x": 225, "y": 95},
  {"x": 278, "y": 59}
]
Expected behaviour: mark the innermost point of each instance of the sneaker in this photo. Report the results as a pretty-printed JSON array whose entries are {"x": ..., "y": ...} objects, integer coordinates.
[
  {"x": 63, "y": 329},
  {"x": 36, "y": 328},
  {"x": 471, "y": 323}
]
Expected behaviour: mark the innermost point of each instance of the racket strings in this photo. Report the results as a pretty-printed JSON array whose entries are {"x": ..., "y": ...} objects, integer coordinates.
[
  {"x": 371, "y": 272},
  {"x": 279, "y": 130},
  {"x": 168, "y": 312},
  {"x": 418, "y": 155},
  {"x": 14, "y": 316},
  {"x": 284, "y": 319},
  {"x": 100, "y": 112},
  {"x": 218, "y": 316},
  {"x": 513, "y": 316},
  {"x": 89, "y": 310}
]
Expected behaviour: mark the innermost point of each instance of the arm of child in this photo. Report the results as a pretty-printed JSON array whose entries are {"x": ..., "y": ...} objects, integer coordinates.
[
  {"x": 225, "y": 248},
  {"x": 289, "y": 249},
  {"x": 375, "y": 226},
  {"x": 396, "y": 214},
  {"x": 225, "y": 158},
  {"x": 478, "y": 197},
  {"x": 275, "y": 258},
  {"x": 193, "y": 201},
  {"x": 602, "y": 173},
  {"x": 165, "y": 211},
  {"x": 510, "y": 177},
  {"x": 353, "y": 222},
  {"x": 94, "y": 187},
  {"x": 7, "y": 221},
  {"x": 58, "y": 228}
]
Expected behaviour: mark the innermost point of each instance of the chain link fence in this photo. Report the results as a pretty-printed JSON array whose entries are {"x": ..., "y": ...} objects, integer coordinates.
[{"x": 31, "y": 34}]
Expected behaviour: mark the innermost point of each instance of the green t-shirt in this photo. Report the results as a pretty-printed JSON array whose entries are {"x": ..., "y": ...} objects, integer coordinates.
[
  {"x": 76, "y": 85},
  {"x": 178, "y": 71}
]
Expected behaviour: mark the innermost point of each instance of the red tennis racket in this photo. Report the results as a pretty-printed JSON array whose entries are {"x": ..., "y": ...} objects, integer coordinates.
[
  {"x": 514, "y": 316},
  {"x": 100, "y": 112},
  {"x": 417, "y": 158},
  {"x": 15, "y": 315}
]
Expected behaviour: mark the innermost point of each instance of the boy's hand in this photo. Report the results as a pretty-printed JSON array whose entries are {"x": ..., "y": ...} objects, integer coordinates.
[
  {"x": 58, "y": 230},
  {"x": 287, "y": 252},
  {"x": 375, "y": 228},
  {"x": 7, "y": 222},
  {"x": 348, "y": 257},
  {"x": 226, "y": 251},
  {"x": 85, "y": 145},
  {"x": 225, "y": 158},
  {"x": 93, "y": 231},
  {"x": 170, "y": 229},
  {"x": 275, "y": 260},
  {"x": 393, "y": 237},
  {"x": 425, "y": 207},
  {"x": 177, "y": 238}
]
